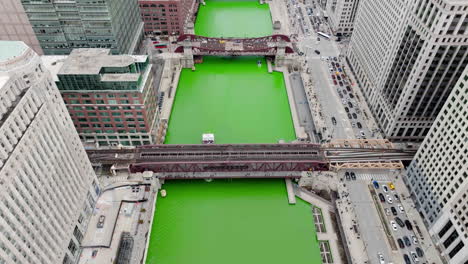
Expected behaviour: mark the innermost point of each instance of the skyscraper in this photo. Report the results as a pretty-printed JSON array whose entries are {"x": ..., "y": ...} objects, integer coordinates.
[
  {"x": 111, "y": 98},
  {"x": 47, "y": 185},
  {"x": 438, "y": 176},
  {"x": 14, "y": 24},
  {"x": 407, "y": 57},
  {"x": 341, "y": 15},
  {"x": 61, "y": 26}
]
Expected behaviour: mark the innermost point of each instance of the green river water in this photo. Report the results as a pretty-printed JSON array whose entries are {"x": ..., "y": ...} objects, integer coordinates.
[{"x": 231, "y": 221}]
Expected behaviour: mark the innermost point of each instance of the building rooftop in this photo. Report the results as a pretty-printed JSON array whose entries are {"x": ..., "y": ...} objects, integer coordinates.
[
  {"x": 91, "y": 61},
  {"x": 11, "y": 49}
]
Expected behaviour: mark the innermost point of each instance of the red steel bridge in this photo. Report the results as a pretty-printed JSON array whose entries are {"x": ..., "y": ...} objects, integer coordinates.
[
  {"x": 243, "y": 157},
  {"x": 265, "y": 46}
]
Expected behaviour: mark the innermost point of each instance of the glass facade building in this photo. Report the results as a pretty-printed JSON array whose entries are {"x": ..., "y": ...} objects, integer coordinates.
[{"x": 61, "y": 26}]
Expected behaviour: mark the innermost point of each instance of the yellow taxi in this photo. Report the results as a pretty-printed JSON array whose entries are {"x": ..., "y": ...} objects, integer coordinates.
[{"x": 391, "y": 186}]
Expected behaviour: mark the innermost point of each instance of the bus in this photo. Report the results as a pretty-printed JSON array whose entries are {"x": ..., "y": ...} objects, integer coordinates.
[
  {"x": 323, "y": 35},
  {"x": 160, "y": 46}
]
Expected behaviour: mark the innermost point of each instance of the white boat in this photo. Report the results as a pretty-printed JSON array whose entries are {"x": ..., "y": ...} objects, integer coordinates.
[{"x": 163, "y": 193}]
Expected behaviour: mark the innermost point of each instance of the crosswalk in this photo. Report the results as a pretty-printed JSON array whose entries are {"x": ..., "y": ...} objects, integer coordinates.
[{"x": 372, "y": 176}]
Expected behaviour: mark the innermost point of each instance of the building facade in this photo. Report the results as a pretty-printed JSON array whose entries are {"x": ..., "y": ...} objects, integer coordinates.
[
  {"x": 47, "y": 185},
  {"x": 341, "y": 15},
  {"x": 14, "y": 25},
  {"x": 167, "y": 17},
  {"x": 61, "y": 26},
  {"x": 406, "y": 57},
  {"x": 438, "y": 176},
  {"x": 112, "y": 99}
]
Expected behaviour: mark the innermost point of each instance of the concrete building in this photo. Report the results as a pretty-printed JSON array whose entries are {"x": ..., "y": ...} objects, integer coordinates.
[
  {"x": 47, "y": 185},
  {"x": 14, "y": 25},
  {"x": 167, "y": 17},
  {"x": 407, "y": 57},
  {"x": 341, "y": 15},
  {"x": 438, "y": 176},
  {"x": 112, "y": 99},
  {"x": 62, "y": 26}
]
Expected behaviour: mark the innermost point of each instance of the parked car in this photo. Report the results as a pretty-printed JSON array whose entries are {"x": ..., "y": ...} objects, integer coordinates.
[
  {"x": 333, "y": 120},
  {"x": 389, "y": 199},
  {"x": 407, "y": 241},
  {"x": 408, "y": 224},
  {"x": 337, "y": 64},
  {"x": 414, "y": 256},
  {"x": 351, "y": 95},
  {"x": 381, "y": 197},
  {"x": 344, "y": 92},
  {"x": 333, "y": 76},
  {"x": 348, "y": 88},
  {"x": 341, "y": 95},
  {"x": 376, "y": 184},
  {"x": 338, "y": 78},
  {"x": 341, "y": 83},
  {"x": 317, "y": 52},
  {"x": 399, "y": 221},
  {"x": 394, "y": 211},
  {"x": 394, "y": 225},
  {"x": 400, "y": 243},
  {"x": 401, "y": 208},
  {"x": 420, "y": 252},
  {"x": 397, "y": 198},
  {"x": 346, "y": 109},
  {"x": 350, "y": 104},
  {"x": 387, "y": 211},
  {"x": 333, "y": 64},
  {"x": 381, "y": 258},
  {"x": 353, "y": 176},
  {"x": 347, "y": 176},
  {"x": 94, "y": 253},
  {"x": 362, "y": 133},
  {"x": 391, "y": 186},
  {"x": 350, "y": 116},
  {"x": 334, "y": 58},
  {"x": 334, "y": 82},
  {"x": 384, "y": 188},
  {"x": 407, "y": 259},
  {"x": 355, "y": 116},
  {"x": 359, "y": 125},
  {"x": 415, "y": 240},
  {"x": 100, "y": 223}
]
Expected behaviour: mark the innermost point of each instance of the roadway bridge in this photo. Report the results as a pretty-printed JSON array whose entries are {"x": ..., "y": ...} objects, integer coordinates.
[
  {"x": 262, "y": 46},
  {"x": 247, "y": 157}
]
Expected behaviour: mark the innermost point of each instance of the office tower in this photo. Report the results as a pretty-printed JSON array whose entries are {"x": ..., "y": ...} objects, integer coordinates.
[
  {"x": 62, "y": 26},
  {"x": 14, "y": 24},
  {"x": 438, "y": 176},
  {"x": 47, "y": 185},
  {"x": 407, "y": 57},
  {"x": 167, "y": 17},
  {"x": 341, "y": 14},
  {"x": 111, "y": 98}
]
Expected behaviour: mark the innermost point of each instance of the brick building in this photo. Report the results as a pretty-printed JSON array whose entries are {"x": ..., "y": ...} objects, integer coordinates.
[
  {"x": 111, "y": 98},
  {"x": 166, "y": 17}
]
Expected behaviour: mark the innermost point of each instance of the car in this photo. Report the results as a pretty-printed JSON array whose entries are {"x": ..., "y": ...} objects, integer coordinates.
[
  {"x": 415, "y": 240},
  {"x": 353, "y": 124},
  {"x": 334, "y": 58},
  {"x": 399, "y": 221},
  {"x": 341, "y": 83},
  {"x": 351, "y": 95},
  {"x": 353, "y": 176},
  {"x": 407, "y": 241},
  {"x": 420, "y": 252},
  {"x": 348, "y": 88},
  {"x": 346, "y": 109},
  {"x": 397, "y": 198},
  {"x": 347, "y": 175},
  {"x": 350, "y": 116},
  {"x": 333, "y": 120},
  {"x": 400, "y": 208},
  {"x": 343, "y": 101},
  {"x": 317, "y": 52},
  {"x": 318, "y": 39},
  {"x": 408, "y": 224},
  {"x": 301, "y": 53},
  {"x": 384, "y": 188},
  {"x": 389, "y": 199},
  {"x": 334, "y": 82},
  {"x": 340, "y": 70},
  {"x": 350, "y": 104},
  {"x": 407, "y": 259},
  {"x": 337, "y": 64},
  {"x": 381, "y": 197},
  {"x": 338, "y": 78},
  {"x": 387, "y": 211},
  {"x": 394, "y": 225},
  {"x": 341, "y": 95},
  {"x": 344, "y": 91},
  {"x": 376, "y": 184},
  {"x": 400, "y": 243},
  {"x": 381, "y": 258},
  {"x": 333, "y": 64},
  {"x": 355, "y": 117},
  {"x": 362, "y": 133},
  {"x": 414, "y": 256},
  {"x": 394, "y": 211},
  {"x": 391, "y": 186},
  {"x": 100, "y": 223},
  {"x": 94, "y": 253},
  {"x": 333, "y": 76},
  {"x": 359, "y": 124}
]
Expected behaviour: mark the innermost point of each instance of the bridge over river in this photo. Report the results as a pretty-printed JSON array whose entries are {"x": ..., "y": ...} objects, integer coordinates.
[{"x": 251, "y": 157}]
